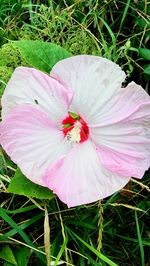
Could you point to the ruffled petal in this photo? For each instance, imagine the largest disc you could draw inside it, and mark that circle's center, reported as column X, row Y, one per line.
column 28, row 85
column 32, row 141
column 79, row 178
column 93, row 80
column 123, row 132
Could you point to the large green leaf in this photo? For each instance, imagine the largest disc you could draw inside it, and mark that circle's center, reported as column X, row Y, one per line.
column 41, row 55
column 23, row 186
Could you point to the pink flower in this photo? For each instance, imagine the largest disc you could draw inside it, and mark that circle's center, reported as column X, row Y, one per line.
column 77, row 131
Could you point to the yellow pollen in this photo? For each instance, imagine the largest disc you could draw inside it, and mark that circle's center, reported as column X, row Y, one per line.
column 74, row 134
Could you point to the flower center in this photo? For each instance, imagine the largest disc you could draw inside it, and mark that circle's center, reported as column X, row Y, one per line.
column 75, row 128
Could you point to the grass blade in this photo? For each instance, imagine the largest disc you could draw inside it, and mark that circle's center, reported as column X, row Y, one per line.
column 98, row 254
column 61, row 252
column 140, row 240
column 47, row 236
column 22, row 227
column 19, row 231
column 125, row 13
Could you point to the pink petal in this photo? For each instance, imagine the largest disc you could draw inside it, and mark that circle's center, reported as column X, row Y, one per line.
column 28, row 85
column 122, row 132
column 93, row 80
column 32, row 141
column 79, row 178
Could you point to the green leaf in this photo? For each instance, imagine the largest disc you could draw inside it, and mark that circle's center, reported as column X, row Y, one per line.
column 2, row 165
column 8, row 264
column 147, row 69
column 22, row 256
column 41, row 55
column 144, row 53
column 7, row 255
column 23, row 186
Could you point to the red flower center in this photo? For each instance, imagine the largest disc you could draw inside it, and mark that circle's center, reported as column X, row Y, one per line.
column 75, row 128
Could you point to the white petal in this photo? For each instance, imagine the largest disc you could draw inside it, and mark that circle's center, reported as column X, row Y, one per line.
column 32, row 141
column 80, row 178
column 123, row 132
column 28, row 85
column 93, row 80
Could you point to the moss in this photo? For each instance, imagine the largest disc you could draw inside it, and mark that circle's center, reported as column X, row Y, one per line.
column 10, row 56
column 5, row 74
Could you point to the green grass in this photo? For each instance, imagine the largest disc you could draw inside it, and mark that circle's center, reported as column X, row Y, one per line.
column 113, row 29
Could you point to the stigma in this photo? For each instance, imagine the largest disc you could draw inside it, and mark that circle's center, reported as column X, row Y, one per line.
column 75, row 129
column 74, row 134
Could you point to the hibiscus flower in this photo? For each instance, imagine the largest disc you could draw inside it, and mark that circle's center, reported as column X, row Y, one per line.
column 77, row 131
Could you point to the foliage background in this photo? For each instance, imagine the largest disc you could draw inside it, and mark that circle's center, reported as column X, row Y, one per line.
column 120, row 31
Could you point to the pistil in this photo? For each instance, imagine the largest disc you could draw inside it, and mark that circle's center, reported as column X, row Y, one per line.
column 75, row 128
